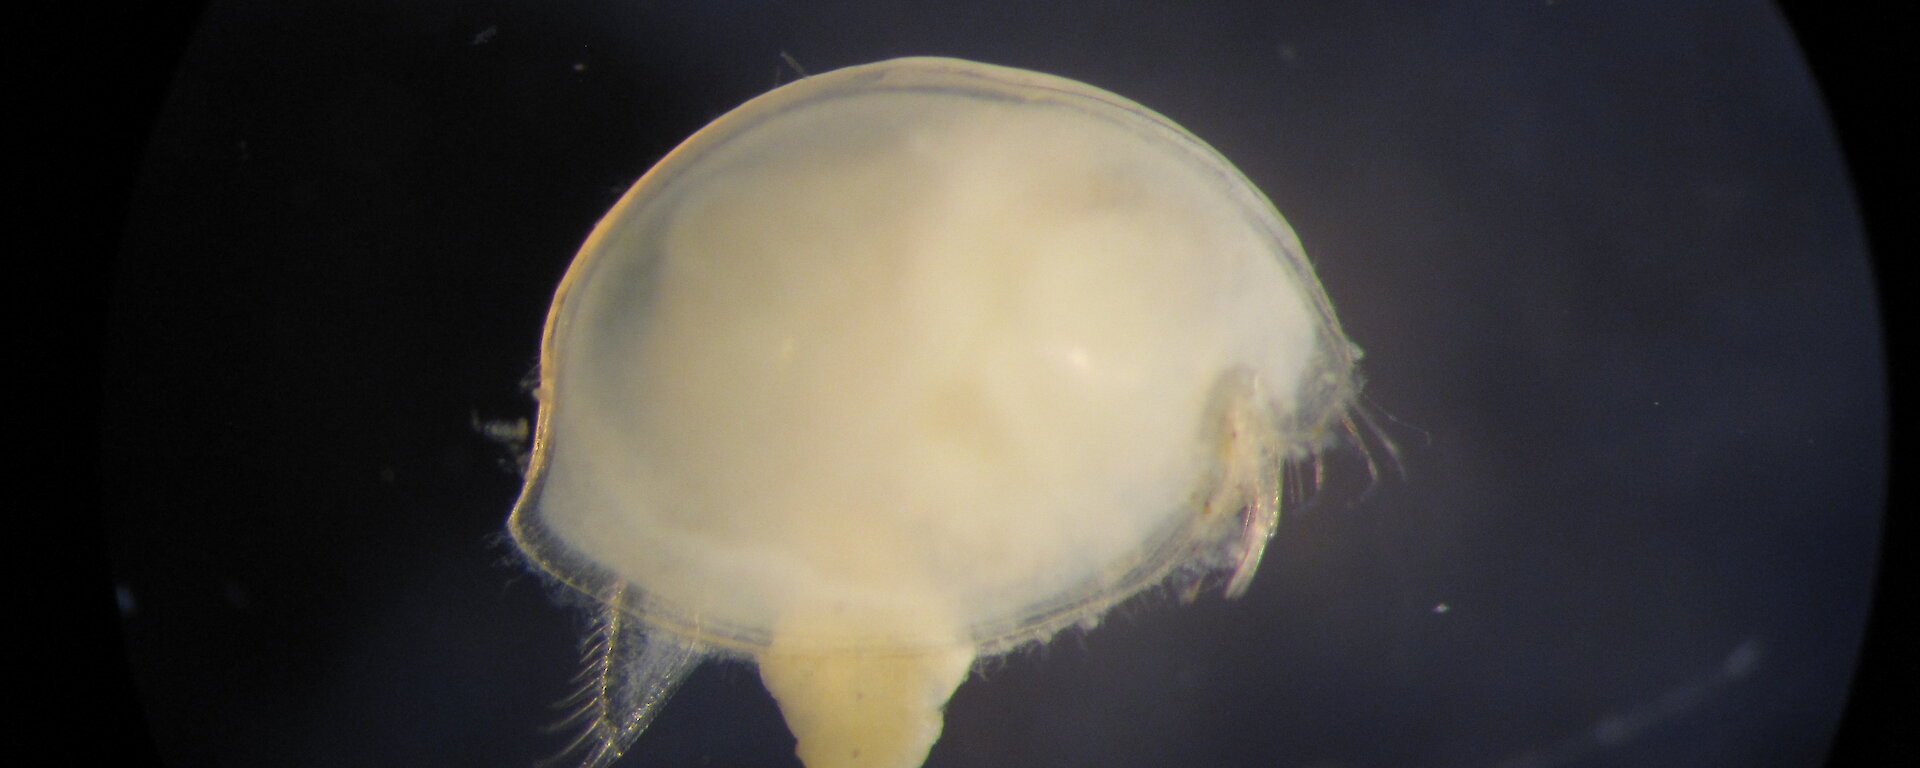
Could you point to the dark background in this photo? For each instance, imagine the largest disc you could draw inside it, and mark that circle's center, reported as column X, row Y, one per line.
column 1604, row 259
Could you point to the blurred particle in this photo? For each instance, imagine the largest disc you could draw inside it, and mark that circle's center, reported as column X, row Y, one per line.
column 123, row 598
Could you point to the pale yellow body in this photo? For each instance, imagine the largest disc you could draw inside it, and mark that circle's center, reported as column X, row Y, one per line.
column 864, row 709
column 913, row 362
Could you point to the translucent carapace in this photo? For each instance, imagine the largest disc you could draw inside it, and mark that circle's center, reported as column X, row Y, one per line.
column 907, row 364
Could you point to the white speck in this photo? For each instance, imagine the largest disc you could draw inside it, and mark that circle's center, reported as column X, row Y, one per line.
column 1441, row 608
column 235, row 595
column 505, row 431
column 1613, row 729
column 123, row 597
column 1742, row 659
column 486, row 34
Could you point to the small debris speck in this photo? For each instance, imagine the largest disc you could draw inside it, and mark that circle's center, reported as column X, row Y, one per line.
column 1742, row 659
column 235, row 595
column 123, row 597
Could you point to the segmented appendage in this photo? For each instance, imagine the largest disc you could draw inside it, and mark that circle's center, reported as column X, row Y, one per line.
column 1250, row 483
column 627, row 675
column 1242, row 505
